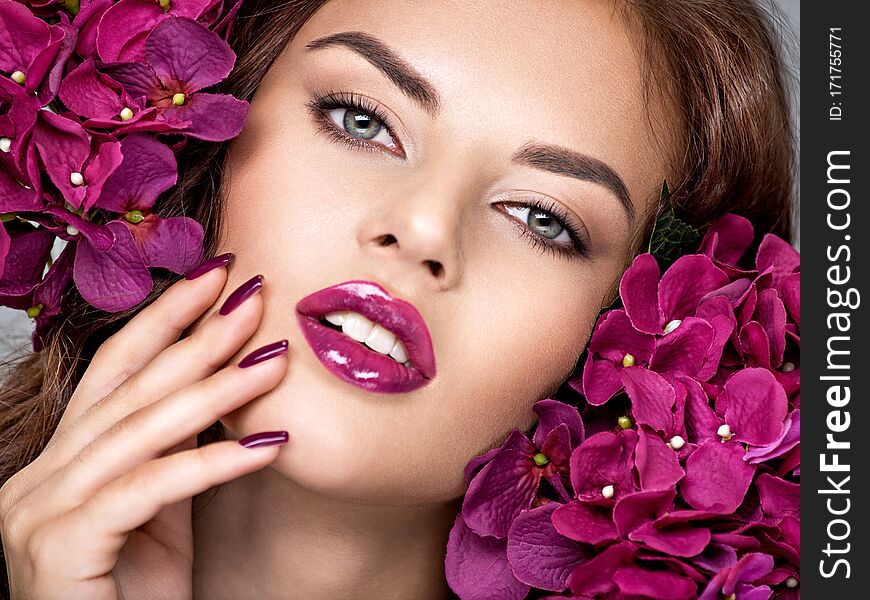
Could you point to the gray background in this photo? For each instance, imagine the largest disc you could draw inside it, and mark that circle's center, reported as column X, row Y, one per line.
column 15, row 327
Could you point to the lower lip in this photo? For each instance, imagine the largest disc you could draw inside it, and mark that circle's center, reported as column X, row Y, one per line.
column 356, row 364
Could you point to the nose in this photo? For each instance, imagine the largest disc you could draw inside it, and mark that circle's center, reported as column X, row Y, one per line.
column 416, row 235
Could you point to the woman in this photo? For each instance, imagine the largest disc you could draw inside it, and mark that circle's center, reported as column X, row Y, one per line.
column 485, row 170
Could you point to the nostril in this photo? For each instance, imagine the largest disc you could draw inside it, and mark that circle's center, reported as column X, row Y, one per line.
column 387, row 240
column 436, row 267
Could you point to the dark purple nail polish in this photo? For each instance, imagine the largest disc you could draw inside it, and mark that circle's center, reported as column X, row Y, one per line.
column 265, row 353
column 265, row 438
column 204, row 267
column 242, row 293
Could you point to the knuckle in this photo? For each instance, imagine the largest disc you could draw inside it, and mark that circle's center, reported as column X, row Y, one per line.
column 16, row 524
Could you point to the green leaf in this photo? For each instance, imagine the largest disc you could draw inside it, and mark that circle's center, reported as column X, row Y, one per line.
column 671, row 238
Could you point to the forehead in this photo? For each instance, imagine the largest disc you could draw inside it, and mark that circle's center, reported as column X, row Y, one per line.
column 566, row 72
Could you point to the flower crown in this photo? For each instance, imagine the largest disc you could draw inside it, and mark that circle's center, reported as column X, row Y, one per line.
column 677, row 476
column 96, row 99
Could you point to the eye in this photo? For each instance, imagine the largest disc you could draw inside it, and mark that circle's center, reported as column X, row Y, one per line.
column 354, row 120
column 549, row 228
column 541, row 222
column 361, row 125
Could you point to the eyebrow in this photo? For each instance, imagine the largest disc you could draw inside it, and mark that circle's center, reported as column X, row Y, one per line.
column 546, row 157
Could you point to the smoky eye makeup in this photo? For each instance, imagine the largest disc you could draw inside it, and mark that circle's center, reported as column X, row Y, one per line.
column 359, row 122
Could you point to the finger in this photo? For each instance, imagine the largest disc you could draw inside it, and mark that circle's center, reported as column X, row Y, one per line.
column 182, row 364
column 99, row 527
column 156, row 428
column 152, row 330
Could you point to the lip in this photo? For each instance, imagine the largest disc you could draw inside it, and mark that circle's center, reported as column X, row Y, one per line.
column 352, row 361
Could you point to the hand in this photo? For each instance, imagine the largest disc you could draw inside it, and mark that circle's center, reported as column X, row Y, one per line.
column 105, row 511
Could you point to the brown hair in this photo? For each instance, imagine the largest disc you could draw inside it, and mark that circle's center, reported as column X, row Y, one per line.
column 717, row 63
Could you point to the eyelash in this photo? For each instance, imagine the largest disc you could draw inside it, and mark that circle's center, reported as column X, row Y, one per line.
column 319, row 108
column 578, row 248
column 323, row 103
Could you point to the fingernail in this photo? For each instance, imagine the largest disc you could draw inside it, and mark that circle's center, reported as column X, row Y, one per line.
column 242, row 293
column 204, row 267
column 265, row 353
column 265, row 438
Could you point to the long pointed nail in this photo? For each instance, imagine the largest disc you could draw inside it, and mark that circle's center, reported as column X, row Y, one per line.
column 223, row 260
column 265, row 353
column 242, row 293
column 265, row 438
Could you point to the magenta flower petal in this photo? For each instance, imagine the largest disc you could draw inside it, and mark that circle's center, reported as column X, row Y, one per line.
column 212, row 117
column 728, row 239
column 638, row 289
column 585, row 522
column 657, row 465
column 595, row 576
column 652, row 398
column 98, row 236
column 477, row 463
column 717, row 478
column 148, row 169
column 104, row 159
column 600, row 380
column 757, row 406
column 777, row 254
column 750, row 568
column 551, row 414
column 683, row 351
column 64, row 147
column 790, row 438
column 499, row 492
column 181, row 51
column 754, row 345
column 174, row 244
column 676, row 540
column 790, row 288
column 137, row 79
column 601, row 460
column 538, row 554
column 689, row 279
column 14, row 197
column 22, row 37
column 113, row 280
column 635, row 510
column 25, row 257
column 477, row 567
column 615, row 336
column 779, row 498
column 91, row 94
column 86, row 22
column 124, row 28
column 770, row 312
column 701, row 422
column 633, row 581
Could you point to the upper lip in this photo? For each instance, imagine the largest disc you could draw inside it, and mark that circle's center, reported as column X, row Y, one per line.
column 376, row 304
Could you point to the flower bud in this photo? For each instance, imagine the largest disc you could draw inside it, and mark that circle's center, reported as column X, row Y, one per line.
column 34, row 311
column 628, row 360
column 18, row 76
column 5, row 144
column 178, row 99
column 76, row 178
column 607, row 491
column 672, row 325
column 624, row 422
column 126, row 114
column 540, row 459
column 134, row 216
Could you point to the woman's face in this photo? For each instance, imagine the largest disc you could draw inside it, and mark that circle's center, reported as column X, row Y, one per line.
column 471, row 116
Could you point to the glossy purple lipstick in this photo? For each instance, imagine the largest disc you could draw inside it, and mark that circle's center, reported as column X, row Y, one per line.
column 353, row 361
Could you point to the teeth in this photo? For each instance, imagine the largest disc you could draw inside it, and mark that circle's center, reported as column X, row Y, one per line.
column 356, row 326
column 398, row 352
column 363, row 330
column 336, row 318
column 380, row 340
